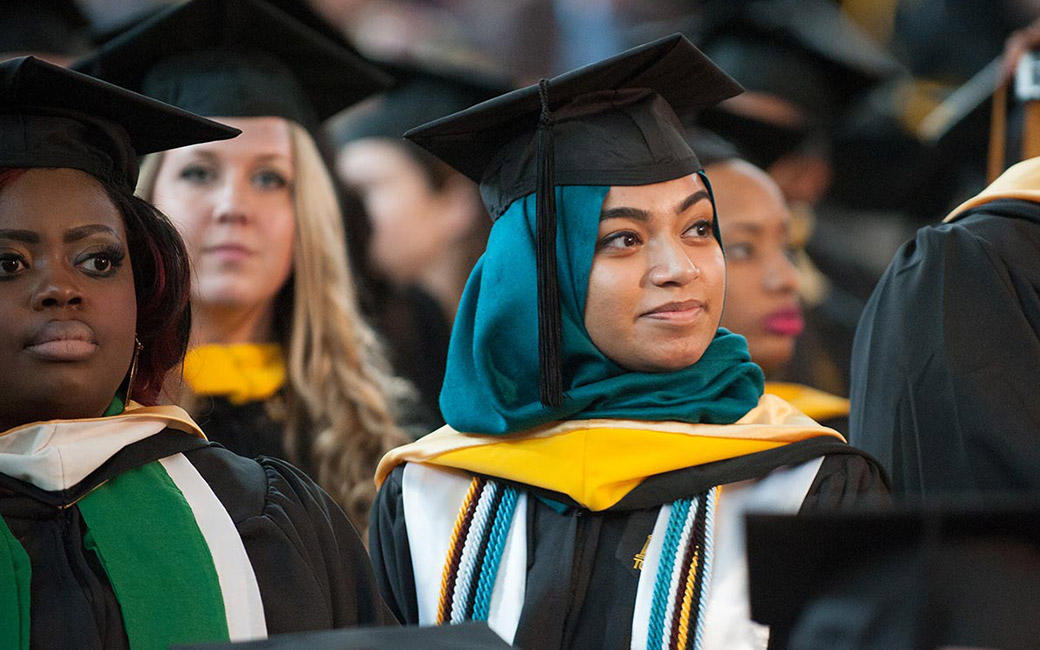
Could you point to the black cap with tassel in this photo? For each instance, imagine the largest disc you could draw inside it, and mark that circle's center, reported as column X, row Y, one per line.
column 615, row 122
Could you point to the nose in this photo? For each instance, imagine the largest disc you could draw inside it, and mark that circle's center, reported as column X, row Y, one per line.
column 231, row 203
column 670, row 264
column 58, row 288
column 781, row 275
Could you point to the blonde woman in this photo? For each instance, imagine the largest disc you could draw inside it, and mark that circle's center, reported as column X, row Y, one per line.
column 281, row 362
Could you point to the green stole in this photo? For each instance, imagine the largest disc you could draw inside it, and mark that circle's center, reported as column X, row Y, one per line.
column 144, row 533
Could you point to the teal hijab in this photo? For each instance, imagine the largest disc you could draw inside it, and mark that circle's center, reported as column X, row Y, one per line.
column 491, row 383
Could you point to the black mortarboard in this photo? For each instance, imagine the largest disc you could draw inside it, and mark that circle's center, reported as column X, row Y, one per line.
column 419, row 95
column 42, row 26
column 53, row 117
column 614, row 122
column 914, row 577
column 236, row 58
column 806, row 52
column 710, row 147
column 464, row 636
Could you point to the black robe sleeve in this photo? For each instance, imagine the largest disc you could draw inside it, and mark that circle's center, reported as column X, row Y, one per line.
column 844, row 481
column 311, row 566
column 946, row 361
column 391, row 555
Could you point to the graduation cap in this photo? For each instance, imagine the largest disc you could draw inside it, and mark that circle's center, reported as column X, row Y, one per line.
column 236, row 58
column 43, row 26
column 610, row 123
column 711, row 148
column 923, row 577
column 53, row 117
column 464, row 636
column 421, row 93
column 806, row 52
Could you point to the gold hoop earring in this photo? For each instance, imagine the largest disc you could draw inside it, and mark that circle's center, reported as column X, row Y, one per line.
column 133, row 367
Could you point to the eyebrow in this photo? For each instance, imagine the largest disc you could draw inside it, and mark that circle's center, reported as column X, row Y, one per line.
column 744, row 225
column 638, row 214
column 27, row 236
column 81, row 232
column 212, row 155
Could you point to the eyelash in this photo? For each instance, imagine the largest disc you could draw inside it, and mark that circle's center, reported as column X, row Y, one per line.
column 114, row 255
column 11, row 257
column 610, row 239
column 264, row 179
column 703, row 223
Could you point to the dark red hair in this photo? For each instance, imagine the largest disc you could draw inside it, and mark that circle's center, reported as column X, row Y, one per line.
column 162, row 284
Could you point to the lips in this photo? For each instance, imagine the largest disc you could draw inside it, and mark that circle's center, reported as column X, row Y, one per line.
column 681, row 312
column 785, row 322
column 228, row 251
column 64, row 340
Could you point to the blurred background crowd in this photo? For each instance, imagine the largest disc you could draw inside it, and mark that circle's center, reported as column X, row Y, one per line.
column 871, row 116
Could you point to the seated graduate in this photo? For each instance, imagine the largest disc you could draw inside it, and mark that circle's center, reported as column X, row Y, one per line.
column 946, row 361
column 604, row 434
column 428, row 224
column 281, row 362
column 120, row 526
column 762, row 281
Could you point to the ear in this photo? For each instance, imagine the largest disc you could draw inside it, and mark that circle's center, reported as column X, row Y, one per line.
column 457, row 203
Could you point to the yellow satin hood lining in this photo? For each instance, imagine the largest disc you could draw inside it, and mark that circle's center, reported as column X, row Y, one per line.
column 598, row 462
column 242, row 372
column 815, row 403
column 1020, row 181
column 174, row 417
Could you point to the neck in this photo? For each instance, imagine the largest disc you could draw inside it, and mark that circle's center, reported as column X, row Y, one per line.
column 444, row 280
column 228, row 325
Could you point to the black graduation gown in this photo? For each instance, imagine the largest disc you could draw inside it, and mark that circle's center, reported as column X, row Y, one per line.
column 946, row 362
column 252, row 429
column 310, row 566
column 581, row 582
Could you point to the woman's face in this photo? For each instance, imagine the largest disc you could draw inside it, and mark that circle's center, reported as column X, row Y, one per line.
column 658, row 276
column 411, row 222
column 232, row 201
column 762, row 291
column 67, row 300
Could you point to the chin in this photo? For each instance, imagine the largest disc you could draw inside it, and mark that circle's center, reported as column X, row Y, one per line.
column 772, row 356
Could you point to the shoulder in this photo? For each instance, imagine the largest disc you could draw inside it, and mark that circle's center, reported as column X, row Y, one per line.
column 257, row 487
column 848, row 478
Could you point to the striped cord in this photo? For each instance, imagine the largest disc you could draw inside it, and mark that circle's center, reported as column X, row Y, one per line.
column 470, row 551
column 458, row 532
column 475, row 551
column 683, row 572
column 704, row 570
column 496, row 544
column 663, row 579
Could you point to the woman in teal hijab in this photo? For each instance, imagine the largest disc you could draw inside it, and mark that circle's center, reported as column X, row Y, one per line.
column 595, row 410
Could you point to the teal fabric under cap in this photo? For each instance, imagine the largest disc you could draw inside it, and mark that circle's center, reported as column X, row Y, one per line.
column 491, row 384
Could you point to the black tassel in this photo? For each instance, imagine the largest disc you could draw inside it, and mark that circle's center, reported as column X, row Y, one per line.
column 550, row 325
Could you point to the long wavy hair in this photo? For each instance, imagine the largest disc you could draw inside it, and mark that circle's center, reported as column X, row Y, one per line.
column 339, row 388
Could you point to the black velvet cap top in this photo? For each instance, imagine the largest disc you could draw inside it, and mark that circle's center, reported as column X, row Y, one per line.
column 236, row 58
column 614, row 122
column 53, row 117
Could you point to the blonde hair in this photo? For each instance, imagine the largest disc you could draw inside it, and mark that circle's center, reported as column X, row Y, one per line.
column 339, row 385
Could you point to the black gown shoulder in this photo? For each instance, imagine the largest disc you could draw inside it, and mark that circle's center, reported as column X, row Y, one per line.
column 946, row 361
column 604, row 543
column 311, row 568
column 308, row 558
